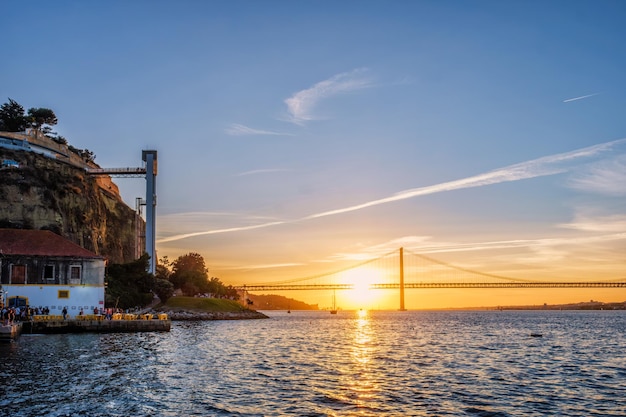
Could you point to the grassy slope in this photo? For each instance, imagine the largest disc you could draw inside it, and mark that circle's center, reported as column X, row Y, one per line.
column 201, row 304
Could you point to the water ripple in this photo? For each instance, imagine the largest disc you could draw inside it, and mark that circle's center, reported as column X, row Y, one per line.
column 314, row 364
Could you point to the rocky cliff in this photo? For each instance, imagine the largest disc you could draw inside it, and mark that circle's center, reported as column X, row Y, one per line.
column 43, row 193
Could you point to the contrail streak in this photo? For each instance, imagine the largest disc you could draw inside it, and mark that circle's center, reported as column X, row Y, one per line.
column 213, row 232
column 580, row 98
column 544, row 166
column 540, row 167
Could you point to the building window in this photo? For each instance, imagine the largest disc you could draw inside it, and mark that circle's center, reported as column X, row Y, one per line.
column 48, row 273
column 64, row 294
column 18, row 274
column 75, row 274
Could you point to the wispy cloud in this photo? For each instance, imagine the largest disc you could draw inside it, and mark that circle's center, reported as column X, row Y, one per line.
column 580, row 98
column 188, row 222
column 527, row 254
column 236, row 129
column 604, row 177
column 520, row 243
column 614, row 223
column 217, row 231
column 425, row 245
column 300, row 106
column 265, row 266
column 548, row 165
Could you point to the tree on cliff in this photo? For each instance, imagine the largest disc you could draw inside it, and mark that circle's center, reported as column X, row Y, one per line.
column 12, row 118
column 190, row 274
column 40, row 117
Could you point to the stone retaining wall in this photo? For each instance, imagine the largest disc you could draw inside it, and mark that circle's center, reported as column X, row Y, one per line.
column 96, row 326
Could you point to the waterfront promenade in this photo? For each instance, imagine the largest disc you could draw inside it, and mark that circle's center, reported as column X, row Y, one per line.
column 123, row 324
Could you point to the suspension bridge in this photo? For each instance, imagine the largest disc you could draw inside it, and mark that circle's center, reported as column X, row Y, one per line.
column 402, row 269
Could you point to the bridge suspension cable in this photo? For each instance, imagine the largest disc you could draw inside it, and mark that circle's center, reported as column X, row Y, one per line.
column 298, row 281
column 466, row 270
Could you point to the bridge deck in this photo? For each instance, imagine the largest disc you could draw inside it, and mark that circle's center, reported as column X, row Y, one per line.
column 426, row 285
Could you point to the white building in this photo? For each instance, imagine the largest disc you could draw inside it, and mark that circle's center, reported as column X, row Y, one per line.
column 41, row 269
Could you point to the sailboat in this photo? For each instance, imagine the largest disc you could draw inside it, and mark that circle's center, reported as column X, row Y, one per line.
column 334, row 309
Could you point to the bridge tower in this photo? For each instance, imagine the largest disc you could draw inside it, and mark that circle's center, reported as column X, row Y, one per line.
column 402, row 280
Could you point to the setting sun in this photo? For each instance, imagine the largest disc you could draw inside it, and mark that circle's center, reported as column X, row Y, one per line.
column 361, row 295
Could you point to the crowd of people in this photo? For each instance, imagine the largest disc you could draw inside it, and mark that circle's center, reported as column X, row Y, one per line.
column 10, row 315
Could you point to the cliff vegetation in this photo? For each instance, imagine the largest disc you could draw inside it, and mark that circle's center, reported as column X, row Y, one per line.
column 42, row 193
column 44, row 185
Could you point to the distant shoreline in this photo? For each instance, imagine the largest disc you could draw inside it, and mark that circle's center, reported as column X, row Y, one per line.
column 589, row 305
column 583, row 306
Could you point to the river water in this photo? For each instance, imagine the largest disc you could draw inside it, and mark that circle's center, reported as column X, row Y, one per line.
column 473, row 363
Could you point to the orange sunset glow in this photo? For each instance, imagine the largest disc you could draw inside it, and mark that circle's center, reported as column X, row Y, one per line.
column 488, row 136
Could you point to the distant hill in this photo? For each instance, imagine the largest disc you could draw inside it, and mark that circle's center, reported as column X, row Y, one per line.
column 583, row 305
column 38, row 191
column 278, row 302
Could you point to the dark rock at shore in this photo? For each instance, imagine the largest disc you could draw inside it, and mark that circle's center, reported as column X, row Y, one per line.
column 190, row 315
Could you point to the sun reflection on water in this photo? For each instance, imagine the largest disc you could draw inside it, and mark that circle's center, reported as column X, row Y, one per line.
column 361, row 350
column 363, row 379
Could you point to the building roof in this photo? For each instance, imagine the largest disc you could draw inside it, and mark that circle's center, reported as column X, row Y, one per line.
column 40, row 243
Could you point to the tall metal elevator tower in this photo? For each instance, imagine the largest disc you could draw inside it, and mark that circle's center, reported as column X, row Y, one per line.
column 150, row 172
column 150, row 158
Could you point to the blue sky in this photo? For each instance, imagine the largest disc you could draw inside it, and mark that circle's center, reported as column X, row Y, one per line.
column 297, row 137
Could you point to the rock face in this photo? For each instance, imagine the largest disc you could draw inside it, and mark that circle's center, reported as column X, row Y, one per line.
column 43, row 193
